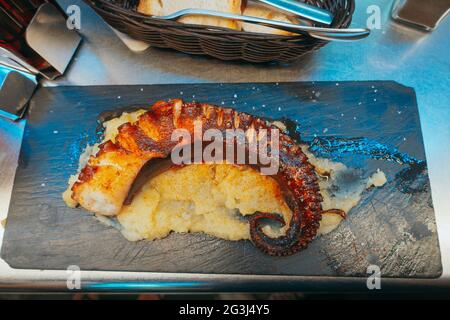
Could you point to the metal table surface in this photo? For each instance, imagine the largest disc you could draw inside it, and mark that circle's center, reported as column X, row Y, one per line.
column 394, row 52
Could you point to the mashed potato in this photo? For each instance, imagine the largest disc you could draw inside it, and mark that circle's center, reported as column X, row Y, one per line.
column 201, row 198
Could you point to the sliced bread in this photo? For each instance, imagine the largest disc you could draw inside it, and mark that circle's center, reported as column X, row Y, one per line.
column 165, row 7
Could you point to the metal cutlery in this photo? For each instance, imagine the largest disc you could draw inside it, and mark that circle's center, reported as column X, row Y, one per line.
column 329, row 34
column 303, row 10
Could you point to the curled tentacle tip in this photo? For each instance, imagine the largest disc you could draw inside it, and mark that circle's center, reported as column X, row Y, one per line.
column 259, row 217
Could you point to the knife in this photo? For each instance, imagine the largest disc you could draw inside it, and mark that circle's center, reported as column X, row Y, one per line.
column 303, row 10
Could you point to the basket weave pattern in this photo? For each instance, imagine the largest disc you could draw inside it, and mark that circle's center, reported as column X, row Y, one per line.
column 221, row 43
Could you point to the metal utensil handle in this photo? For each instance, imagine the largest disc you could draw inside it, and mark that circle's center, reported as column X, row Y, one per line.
column 316, row 32
column 303, row 10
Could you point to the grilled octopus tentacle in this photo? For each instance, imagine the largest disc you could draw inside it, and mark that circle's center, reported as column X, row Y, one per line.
column 104, row 184
column 301, row 192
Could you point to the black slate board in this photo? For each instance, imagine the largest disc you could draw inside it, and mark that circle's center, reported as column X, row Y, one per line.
column 392, row 227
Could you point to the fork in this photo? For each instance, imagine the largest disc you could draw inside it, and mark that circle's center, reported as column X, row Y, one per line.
column 329, row 34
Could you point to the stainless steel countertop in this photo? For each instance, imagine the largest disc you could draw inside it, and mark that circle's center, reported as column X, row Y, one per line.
column 413, row 58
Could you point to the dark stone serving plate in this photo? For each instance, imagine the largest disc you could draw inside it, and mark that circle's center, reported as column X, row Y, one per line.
column 392, row 227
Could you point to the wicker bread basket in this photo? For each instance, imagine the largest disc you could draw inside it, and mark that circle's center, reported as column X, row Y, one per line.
column 221, row 43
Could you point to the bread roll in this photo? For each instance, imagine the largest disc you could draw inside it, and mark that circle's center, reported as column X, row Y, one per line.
column 165, row 7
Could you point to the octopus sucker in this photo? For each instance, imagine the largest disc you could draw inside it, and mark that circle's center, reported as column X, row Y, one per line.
column 105, row 183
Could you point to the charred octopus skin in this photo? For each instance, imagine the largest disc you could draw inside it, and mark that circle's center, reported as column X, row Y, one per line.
column 105, row 182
